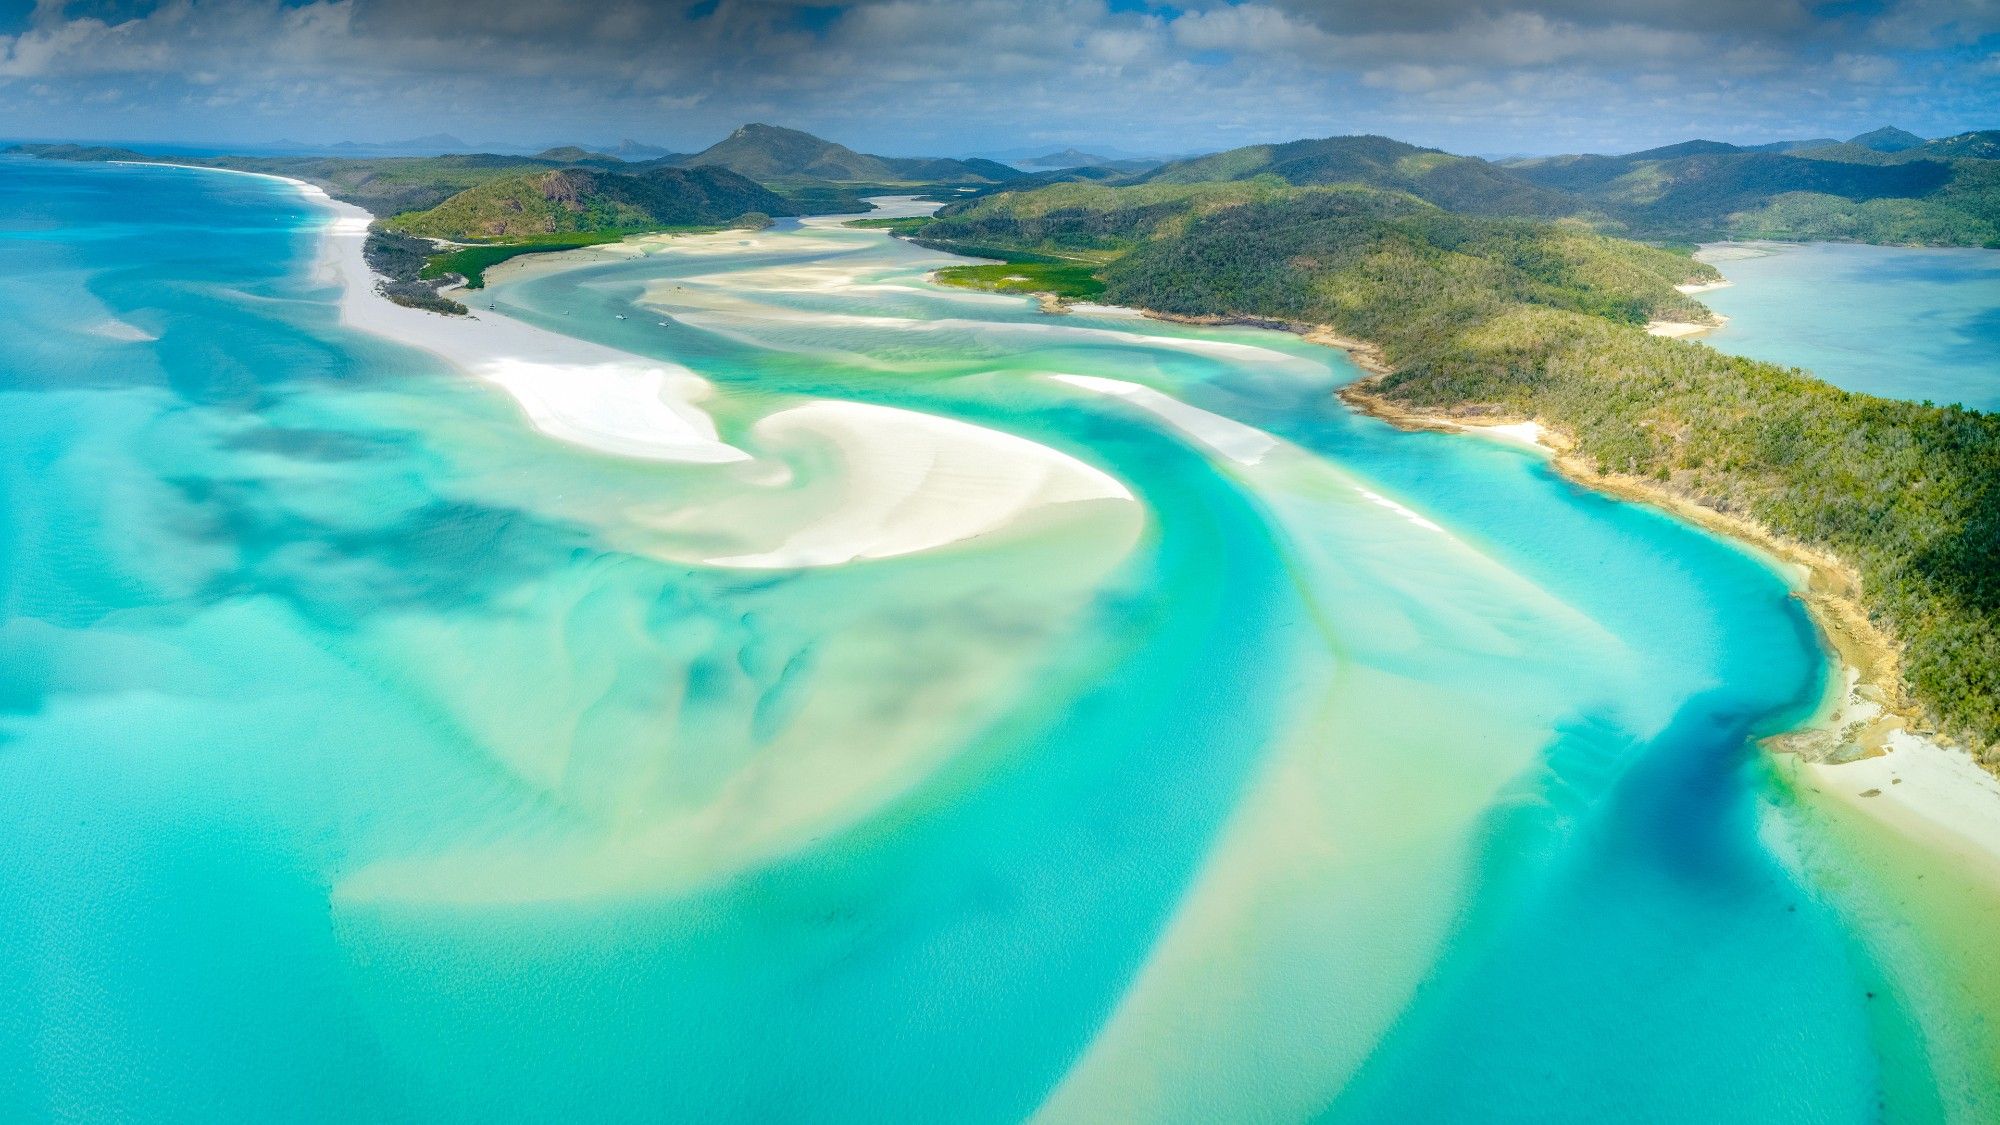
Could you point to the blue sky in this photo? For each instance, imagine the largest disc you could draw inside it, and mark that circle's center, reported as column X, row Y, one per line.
column 960, row 76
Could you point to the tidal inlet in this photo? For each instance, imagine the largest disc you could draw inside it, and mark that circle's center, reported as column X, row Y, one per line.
column 752, row 630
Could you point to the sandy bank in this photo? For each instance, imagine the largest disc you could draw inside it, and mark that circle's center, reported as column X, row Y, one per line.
column 111, row 328
column 1682, row 329
column 892, row 482
column 1703, row 287
column 1242, row 444
column 1924, row 792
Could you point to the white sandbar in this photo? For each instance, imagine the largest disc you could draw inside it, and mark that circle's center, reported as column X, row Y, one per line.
column 912, row 482
column 1242, row 444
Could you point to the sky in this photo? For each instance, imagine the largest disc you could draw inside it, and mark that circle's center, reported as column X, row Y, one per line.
column 959, row 77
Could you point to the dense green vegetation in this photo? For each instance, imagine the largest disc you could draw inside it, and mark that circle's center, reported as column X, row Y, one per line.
column 392, row 185
column 403, row 262
column 1087, row 216
column 1979, row 145
column 1806, row 217
column 1886, row 187
column 1457, row 183
column 1540, row 319
column 388, row 185
column 1287, row 240
column 773, row 155
column 472, row 262
column 89, row 154
column 1072, row 278
column 1907, row 493
column 579, row 200
column 894, row 226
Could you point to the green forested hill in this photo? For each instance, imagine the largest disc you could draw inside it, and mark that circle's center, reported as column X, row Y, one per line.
column 1091, row 216
column 1457, row 183
column 767, row 152
column 770, row 154
column 383, row 185
column 1888, row 139
column 1886, row 186
column 89, row 154
column 574, row 200
column 1933, row 193
column 387, row 185
column 816, row 176
column 1539, row 319
column 1890, row 189
column 1279, row 245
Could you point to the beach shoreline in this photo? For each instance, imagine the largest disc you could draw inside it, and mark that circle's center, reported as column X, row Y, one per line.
column 569, row 389
column 1685, row 329
column 1864, row 744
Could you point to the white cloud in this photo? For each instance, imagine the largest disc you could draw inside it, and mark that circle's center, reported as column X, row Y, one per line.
column 950, row 75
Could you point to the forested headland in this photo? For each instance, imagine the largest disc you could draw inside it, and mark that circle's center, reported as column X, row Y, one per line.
column 1536, row 319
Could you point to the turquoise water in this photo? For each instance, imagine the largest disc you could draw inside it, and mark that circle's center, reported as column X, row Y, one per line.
column 370, row 758
column 1922, row 325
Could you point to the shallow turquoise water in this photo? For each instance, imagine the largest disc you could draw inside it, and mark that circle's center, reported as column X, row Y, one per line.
column 1903, row 323
column 365, row 763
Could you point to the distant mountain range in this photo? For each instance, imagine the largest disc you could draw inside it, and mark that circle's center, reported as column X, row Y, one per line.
column 1886, row 185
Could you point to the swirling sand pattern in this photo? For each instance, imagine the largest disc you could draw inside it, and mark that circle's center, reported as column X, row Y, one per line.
column 375, row 755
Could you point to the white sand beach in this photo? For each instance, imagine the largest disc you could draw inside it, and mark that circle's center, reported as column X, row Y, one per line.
column 570, row 389
column 1924, row 791
column 1518, row 433
column 1679, row 329
column 1907, row 781
column 1704, row 287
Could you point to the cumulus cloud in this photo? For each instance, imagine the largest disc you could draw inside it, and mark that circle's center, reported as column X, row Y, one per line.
column 955, row 75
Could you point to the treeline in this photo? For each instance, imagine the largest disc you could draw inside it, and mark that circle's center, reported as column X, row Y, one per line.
column 584, row 201
column 401, row 260
column 1907, row 493
column 1541, row 319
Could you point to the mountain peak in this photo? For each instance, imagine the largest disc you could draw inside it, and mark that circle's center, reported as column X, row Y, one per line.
column 1888, row 139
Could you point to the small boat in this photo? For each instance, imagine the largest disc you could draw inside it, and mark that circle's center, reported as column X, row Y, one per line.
column 621, row 316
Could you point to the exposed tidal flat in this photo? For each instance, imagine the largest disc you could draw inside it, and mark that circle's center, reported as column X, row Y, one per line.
column 384, row 743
